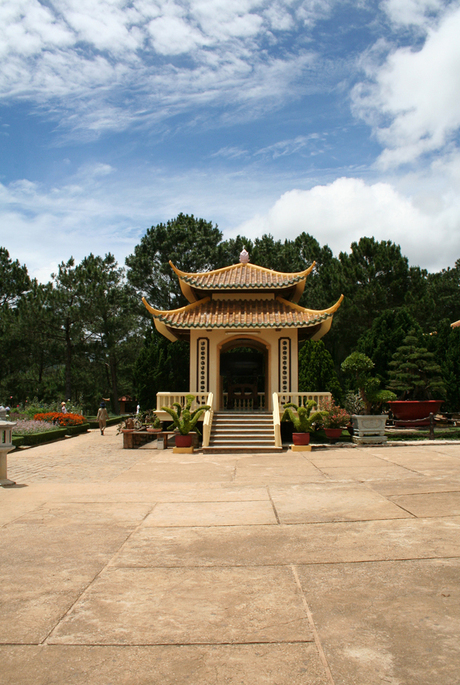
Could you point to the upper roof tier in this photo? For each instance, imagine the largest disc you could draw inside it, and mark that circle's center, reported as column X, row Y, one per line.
column 248, row 277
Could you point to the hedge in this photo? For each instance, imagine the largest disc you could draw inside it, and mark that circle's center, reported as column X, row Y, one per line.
column 75, row 430
column 39, row 438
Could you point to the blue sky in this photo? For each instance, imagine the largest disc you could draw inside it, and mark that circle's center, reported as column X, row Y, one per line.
column 336, row 118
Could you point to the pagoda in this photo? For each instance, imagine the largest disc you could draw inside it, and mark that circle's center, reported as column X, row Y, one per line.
column 251, row 312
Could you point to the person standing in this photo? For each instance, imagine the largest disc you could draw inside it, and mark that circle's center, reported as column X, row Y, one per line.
column 63, row 408
column 102, row 416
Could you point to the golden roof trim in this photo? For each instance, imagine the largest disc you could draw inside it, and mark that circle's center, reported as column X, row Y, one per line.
column 291, row 277
column 329, row 310
column 250, row 314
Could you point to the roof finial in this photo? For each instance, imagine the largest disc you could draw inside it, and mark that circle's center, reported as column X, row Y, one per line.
column 244, row 256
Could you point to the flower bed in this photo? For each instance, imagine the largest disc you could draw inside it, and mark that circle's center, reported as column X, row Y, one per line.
column 61, row 419
column 29, row 427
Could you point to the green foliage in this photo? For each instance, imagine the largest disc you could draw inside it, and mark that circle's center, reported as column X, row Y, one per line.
column 161, row 366
column 302, row 418
column 14, row 280
column 183, row 418
column 414, row 374
column 375, row 277
column 336, row 416
column 385, row 335
column 190, row 243
column 359, row 367
column 316, row 370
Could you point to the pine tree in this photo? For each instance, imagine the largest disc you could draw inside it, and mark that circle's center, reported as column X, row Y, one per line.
column 415, row 375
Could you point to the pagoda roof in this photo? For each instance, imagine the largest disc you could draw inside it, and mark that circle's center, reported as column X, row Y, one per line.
column 210, row 313
column 242, row 276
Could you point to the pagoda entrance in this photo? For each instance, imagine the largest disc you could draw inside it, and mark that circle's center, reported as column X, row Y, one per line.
column 244, row 376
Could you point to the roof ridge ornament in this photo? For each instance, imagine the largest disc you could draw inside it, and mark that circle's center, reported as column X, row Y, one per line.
column 244, row 256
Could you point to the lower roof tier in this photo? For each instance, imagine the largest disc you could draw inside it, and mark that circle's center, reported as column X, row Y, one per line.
column 240, row 313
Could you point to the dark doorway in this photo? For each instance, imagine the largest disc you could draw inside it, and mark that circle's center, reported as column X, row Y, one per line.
column 243, row 376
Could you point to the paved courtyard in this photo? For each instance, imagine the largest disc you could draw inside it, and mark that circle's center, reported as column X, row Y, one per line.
column 143, row 567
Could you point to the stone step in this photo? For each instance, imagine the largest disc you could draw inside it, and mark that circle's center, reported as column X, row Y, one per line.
column 234, row 449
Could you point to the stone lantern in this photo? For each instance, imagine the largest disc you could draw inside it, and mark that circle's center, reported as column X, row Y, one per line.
column 6, row 445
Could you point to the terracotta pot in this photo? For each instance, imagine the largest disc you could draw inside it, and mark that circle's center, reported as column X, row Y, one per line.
column 412, row 410
column 184, row 440
column 301, row 438
column 333, row 433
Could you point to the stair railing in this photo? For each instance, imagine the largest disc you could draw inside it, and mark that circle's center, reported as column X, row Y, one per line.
column 207, row 421
column 276, row 419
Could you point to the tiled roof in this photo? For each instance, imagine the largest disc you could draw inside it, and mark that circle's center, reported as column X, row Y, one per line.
column 247, row 276
column 208, row 313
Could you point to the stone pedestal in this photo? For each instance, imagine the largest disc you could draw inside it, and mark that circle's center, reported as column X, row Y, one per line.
column 6, row 445
column 369, row 429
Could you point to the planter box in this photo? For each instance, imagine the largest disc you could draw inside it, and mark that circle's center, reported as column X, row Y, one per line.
column 409, row 413
column 369, row 429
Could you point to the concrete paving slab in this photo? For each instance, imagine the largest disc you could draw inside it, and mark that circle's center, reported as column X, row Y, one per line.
column 76, row 513
column 418, row 484
column 81, row 562
column 280, row 664
column 209, row 492
column 200, row 473
column 430, row 504
column 277, row 468
column 393, row 622
column 45, row 568
column 315, row 502
column 176, row 606
column 292, row 544
column 211, row 514
column 366, row 473
column 428, row 464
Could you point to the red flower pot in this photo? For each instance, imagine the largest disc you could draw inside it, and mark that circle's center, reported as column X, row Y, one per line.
column 406, row 411
column 184, row 440
column 301, row 438
column 333, row 433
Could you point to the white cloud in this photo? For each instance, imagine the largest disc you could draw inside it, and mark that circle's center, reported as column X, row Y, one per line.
column 413, row 12
column 83, row 56
column 419, row 92
column 348, row 209
column 103, row 209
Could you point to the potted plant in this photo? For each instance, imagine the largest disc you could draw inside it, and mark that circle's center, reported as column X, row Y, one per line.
column 336, row 420
column 416, row 377
column 303, row 420
column 153, row 424
column 368, row 427
column 185, row 420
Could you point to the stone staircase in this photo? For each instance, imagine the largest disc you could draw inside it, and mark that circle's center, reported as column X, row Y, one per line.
column 242, row 432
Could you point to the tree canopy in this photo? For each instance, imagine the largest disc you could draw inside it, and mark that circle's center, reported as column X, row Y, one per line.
column 86, row 335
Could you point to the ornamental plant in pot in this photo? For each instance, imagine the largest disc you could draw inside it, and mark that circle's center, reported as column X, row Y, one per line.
column 336, row 420
column 185, row 420
column 303, row 420
column 416, row 378
column 368, row 426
